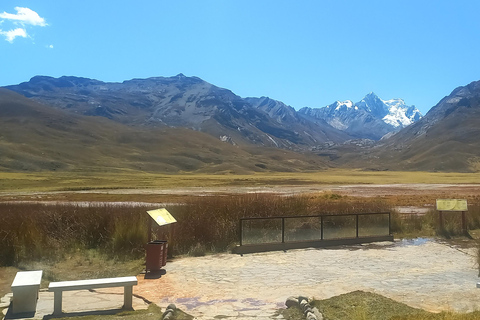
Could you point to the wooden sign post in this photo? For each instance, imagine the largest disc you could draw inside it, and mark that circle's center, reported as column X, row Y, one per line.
column 455, row 205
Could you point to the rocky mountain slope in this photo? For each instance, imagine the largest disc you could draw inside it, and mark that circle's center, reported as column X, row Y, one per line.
column 371, row 118
column 446, row 139
column 187, row 102
column 35, row 137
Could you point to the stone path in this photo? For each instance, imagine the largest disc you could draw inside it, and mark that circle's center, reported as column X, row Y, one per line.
column 422, row 274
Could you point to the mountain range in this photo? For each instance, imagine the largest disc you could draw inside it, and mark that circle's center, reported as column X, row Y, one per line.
column 371, row 118
column 190, row 102
column 36, row 137
column 180, row 123
column 445, row 139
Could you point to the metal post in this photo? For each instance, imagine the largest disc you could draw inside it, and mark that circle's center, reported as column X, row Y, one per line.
column 356, row 221
column 321, row 227
column 241, row 231
column 389, row 224
column 440, row 216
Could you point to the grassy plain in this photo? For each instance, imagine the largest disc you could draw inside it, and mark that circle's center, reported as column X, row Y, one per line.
column 123, row 179
column 359, row 305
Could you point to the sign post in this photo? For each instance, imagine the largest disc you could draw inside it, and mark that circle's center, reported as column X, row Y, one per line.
column 455, row 205
column 157, row 250
column 162, row 217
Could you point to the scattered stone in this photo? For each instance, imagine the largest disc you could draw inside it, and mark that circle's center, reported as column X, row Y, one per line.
column 311, row 316
column 291, row 302
column 302, row 302
column 168, row 314
column 307, row 309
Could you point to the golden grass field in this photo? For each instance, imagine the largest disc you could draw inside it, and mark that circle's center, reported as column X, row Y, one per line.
column 76, row 181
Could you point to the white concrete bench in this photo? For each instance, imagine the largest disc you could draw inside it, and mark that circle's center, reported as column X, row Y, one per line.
column 59, row 287
column 25, row 289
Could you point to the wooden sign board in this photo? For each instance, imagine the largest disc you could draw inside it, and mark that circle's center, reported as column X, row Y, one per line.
column 161, row 216
column 452, row 205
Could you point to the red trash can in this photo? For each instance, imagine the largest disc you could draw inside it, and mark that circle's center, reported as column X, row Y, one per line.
column 156, row 255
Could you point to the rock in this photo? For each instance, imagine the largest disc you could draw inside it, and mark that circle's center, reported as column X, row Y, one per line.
column 291, row 302
column 168, row 314
column 311, row 316
column 307, row 309
column 303, row 303
column 317, row 314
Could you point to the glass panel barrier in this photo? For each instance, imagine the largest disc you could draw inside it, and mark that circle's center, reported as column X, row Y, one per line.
column 337, row 227
column 303, row 229
column 258, row 231
column 373, row 225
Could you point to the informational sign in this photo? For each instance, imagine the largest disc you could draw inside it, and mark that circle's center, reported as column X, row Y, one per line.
column 161, row 216
column 451, row 205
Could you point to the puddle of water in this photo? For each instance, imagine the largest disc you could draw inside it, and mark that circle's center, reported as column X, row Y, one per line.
column 412, row 210
column 413, row 242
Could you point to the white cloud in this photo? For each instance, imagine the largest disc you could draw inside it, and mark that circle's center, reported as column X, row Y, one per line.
column 24, row 16
column 12, row 34
column 19, row 22
column 50, row 46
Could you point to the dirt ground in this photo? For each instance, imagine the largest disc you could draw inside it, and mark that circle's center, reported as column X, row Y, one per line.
column 155, row 195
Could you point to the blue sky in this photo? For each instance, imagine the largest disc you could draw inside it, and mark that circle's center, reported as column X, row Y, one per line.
column 304, row 53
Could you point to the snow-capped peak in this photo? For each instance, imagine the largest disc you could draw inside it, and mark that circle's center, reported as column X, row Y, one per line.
column 340, row 104
column 371, row 117
column 399, row 114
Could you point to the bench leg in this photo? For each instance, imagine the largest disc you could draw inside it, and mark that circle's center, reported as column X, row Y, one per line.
column 128, row 297
column 57, row 303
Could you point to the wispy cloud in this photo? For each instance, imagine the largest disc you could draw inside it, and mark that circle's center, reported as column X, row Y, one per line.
column 12, row 34
column 24, row 18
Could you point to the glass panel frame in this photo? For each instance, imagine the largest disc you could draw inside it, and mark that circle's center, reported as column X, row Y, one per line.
column 339, row 227
column 303, row 229
column 260, row 231
column 371, row 225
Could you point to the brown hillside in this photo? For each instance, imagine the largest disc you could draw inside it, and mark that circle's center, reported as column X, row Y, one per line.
column 446, row 139
column 36, row 137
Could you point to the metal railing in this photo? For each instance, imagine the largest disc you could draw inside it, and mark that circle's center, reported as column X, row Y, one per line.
column 293, row 229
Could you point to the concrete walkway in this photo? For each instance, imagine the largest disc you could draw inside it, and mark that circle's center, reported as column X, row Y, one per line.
column 422, row 274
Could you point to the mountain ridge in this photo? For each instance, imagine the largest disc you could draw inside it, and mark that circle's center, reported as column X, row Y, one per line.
column 371, row 117
column 38, row 137
column 181, row 101
column 240, row 135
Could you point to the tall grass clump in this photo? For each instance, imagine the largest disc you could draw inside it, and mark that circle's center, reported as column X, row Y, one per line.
column 429, row 224
column 204, row 224
column 35, row 231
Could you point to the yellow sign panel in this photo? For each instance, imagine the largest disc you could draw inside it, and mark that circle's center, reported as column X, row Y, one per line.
column 451, row 205
column 161, row 216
